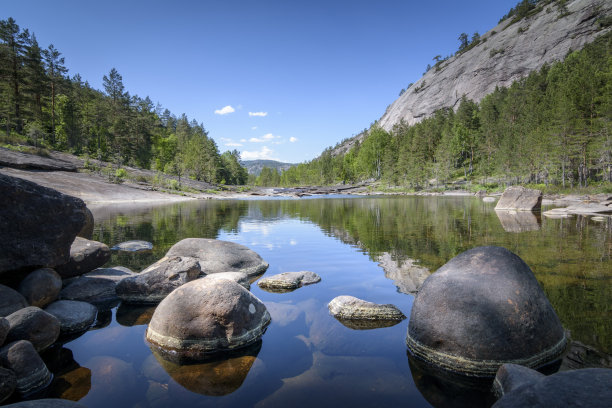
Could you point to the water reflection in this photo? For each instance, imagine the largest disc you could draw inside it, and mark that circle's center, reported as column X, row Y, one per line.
column 519, row 221
column 134, row 314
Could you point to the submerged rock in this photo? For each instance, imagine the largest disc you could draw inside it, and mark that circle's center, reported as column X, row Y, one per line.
column 85, row 256
column 219, row 256
column 130, row 314
column 205, row 316
column 239, row 277
column 288, row 281
column 480, row 310
column 41, row 287
column 519, row 198
column 589, row 387
column 11, row 301
column 360, row 314
column 42, row 223
column 133, row 246
column 35, row 325
column 31, row 373
column 74, row 316
column 154, row 283
column 114, row 381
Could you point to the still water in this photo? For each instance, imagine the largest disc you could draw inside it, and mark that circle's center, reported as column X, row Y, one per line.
column 307, row 358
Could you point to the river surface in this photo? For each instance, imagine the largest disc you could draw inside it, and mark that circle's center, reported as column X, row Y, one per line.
column 306, row 358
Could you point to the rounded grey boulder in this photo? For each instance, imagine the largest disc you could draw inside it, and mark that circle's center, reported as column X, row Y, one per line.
column 205, row 316
column 220, row 256
column 85, row 256
column 11, row 301
column 154, row 283
column 288, row 281
column 480, row 310
column 589, row 387
column 31, row 373
column 35, row 325
column 350, row 310
column 41, row 287
column 74, row 316
column 8, row 383
column 241, row 278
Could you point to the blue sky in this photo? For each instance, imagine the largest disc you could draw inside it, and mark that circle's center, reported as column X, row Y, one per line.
column 294, row 77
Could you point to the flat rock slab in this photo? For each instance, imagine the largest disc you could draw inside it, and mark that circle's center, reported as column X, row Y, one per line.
column 96, row 290
column 240, row 278
column 133, row 246
column 519, row 198
column 73, row 316
column 19, row 160
column 580, row 209
column 11, row 301
column 288, row 281
column 41, row 287
column 85, row 256
column 31, row 373
column 35, row 325
column 350, row 308
column 589, row 387
column 206, row 316
column 220, row 256
column 39, row 223
column 154, row 283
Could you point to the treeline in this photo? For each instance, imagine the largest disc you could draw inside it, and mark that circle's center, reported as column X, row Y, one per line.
column 42, row 106
column 553, row 126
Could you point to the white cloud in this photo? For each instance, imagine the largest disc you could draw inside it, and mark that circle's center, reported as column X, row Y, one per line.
column 265, row 138
column 254, row 128
column 264, row 153
column 233, row 144
column 243, row 140
column 293, row 139
column 225, row 110
column 262, row 114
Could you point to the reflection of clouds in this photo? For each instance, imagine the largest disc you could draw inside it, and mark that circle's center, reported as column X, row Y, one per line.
column 285, row 313
column 260, row 228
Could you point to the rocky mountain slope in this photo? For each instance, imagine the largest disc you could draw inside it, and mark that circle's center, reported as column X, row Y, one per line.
column 506, row 53
column 255, row 166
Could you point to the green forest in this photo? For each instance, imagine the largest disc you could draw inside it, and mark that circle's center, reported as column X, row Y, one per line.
column 553, row 128
column 42, row 106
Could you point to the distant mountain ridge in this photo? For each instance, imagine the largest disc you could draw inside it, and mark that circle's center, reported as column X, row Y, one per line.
column 255, row 166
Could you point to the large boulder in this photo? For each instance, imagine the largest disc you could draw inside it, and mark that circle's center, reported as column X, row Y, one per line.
column 35, row 325
column 220, row 256
column 41, row 287
column 39, row 223
column 154, row 283
column 288, row 281
column 10, row 301
column 241, row 278
column 519, row 198
column 4, row 329
column 73, row 316
column 360, row 314
column 31, row 373
column 480, row 310
column 85, row 256
column 589, row 387
column 205, row 316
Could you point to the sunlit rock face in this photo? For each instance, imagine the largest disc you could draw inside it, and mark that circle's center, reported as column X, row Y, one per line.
column 288, row 281
column 359, row 314
column 480, row 310
column 518, row 198
column 206, row 316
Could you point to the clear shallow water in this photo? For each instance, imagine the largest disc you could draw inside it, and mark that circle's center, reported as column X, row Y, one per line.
column 306, row 357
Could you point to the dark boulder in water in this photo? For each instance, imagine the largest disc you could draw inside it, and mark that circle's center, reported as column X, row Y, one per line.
column 31, row 373
column 480, row 310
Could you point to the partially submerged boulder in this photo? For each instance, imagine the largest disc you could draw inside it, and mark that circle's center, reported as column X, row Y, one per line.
column 85, row 256
column 41, row 287
column 10, row 301
column 205, row 316
column 41, row 224
column 133, row 246
column 154, row 283
column 73, row 316
column 288, row 281
column 35, row 325
column 480, row 310
column 519, row 198
column 359, row 314
column 31, row 373
column 589, row 387
column 219, row 256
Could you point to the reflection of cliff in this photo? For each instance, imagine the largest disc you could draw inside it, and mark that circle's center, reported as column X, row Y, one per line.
column 519, row 221
column 406, row 275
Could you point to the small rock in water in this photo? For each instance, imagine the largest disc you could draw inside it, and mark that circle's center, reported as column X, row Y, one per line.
column 133, row 246
column 11, row 301
column 31, row 373
column 74, row 316
column 35, row 325
column 360, row 315
column 85, row 256
column 205, row 316
column 240, row 278
column 288, row 281
column 589, row 387
column 41, row 287
column 154, row 283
